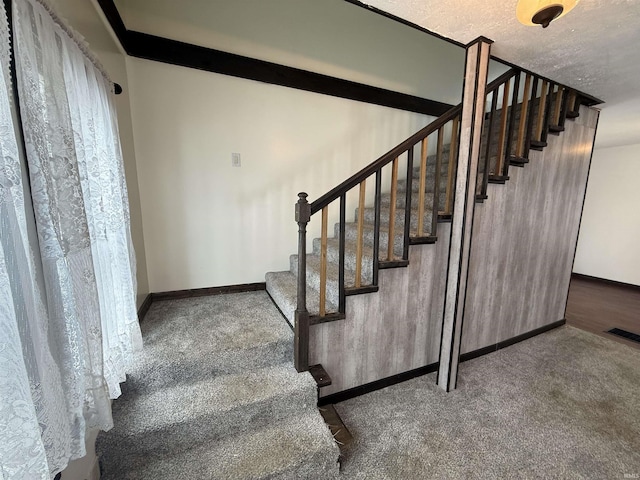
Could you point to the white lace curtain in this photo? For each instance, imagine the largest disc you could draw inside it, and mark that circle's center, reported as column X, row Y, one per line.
column 64, row 350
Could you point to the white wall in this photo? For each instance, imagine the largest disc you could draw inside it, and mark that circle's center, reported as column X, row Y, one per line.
column 610, row 229
column 207, row 223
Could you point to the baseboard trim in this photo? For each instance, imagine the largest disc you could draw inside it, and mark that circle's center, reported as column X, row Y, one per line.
column 376, row 385
column 203, row 292
column 511, row 341
column 615, row 283
column 144, row 308
column 433, row 367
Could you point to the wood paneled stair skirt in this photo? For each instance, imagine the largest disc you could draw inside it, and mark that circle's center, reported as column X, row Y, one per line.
column 393, row 210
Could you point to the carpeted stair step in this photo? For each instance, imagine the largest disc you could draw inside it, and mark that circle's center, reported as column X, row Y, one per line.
column 175, row 419
column 313, row 275
column 297, row 447
column 283, row 288
column 179, row 336
column 415, row 185
column 351, row 235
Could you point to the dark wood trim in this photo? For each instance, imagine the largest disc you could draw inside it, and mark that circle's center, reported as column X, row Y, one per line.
column 605, row 281
column 320, row 375
column 151, row 47
column 433, row 367
column 348, row 291
column 202, row 292
column 115, row 20
column 511, row 341
column 384, row 264
column 329, row 317
column 144, row 308
column 405, row 22
column 427, row 240
column 376, row 385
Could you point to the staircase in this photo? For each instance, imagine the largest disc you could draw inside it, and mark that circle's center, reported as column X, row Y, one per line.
column 214, row 395
column 521, row 111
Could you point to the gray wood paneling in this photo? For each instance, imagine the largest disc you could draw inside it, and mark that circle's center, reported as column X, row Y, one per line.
column 392, row 331
column 524, row 239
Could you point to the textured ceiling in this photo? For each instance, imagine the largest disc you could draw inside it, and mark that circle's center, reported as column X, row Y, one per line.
column 595, row 48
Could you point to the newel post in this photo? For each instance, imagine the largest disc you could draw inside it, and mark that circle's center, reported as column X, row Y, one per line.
column 301, row 340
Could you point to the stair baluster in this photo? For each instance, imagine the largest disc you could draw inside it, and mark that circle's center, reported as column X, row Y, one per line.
column 392, row 209
column 547, row 114
column 503, row 129
column 361, row 198
column 487, row 154
column 512, row 120
column 323, row 263
column 541, row 109
column 530, row 118
column 524, row 113
column 435, row 210
column 407, row 205
column 422, row 188
column 453, row 159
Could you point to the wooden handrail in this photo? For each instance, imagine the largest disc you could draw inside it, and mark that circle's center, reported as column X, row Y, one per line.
column 497, row 83
column 388, row 157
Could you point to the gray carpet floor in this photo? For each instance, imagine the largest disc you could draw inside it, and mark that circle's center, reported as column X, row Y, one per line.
column 565, row 404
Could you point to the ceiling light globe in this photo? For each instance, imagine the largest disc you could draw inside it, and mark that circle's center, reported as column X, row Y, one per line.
column 542, row 12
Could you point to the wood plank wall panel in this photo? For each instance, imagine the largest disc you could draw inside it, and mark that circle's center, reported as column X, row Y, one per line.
column 389, row 332
column 524, row 239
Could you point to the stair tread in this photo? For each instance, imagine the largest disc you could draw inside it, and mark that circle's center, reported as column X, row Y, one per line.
column 283, row 288
column 297, row 447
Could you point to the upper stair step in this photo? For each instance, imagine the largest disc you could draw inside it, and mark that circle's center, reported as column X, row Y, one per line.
column 283, row 288
column 179, row 336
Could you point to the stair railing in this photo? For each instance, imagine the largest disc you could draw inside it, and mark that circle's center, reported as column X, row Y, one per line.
column 446, row 125
column 522, row 109
column 529, row 107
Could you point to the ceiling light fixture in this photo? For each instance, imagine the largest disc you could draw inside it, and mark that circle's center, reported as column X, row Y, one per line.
column 542, row 12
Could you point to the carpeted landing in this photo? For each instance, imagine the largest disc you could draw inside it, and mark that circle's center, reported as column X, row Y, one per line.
column 565, row 404
column 214, row 395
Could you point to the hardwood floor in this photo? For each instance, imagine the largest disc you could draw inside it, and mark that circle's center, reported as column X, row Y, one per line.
column 597, row 306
